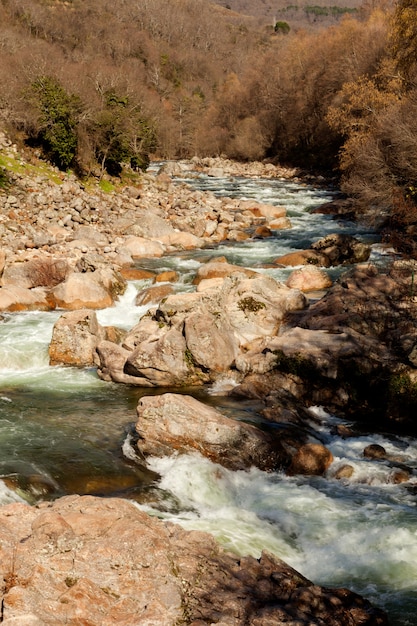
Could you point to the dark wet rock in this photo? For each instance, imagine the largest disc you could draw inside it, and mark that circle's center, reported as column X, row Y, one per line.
column 312, row 459
column 342, row 249
column 344, row 471
column 375, row 451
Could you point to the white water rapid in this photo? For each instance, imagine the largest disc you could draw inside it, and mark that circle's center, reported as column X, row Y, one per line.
column 67, row 429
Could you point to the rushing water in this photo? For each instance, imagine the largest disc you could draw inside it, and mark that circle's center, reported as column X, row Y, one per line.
column 62, row 430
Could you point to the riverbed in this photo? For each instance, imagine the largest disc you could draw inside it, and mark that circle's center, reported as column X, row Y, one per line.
column 65, row 431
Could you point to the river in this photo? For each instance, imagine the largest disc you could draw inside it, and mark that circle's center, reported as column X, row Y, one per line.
column 62, row 430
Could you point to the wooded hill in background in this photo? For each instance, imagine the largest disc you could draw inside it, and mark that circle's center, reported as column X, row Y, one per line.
column 97, row 85
column 297, row 14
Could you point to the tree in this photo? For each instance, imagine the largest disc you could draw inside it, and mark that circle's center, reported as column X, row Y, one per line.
column 58, row 115
column 121, row 134
column 404, row 39
column 282, row 27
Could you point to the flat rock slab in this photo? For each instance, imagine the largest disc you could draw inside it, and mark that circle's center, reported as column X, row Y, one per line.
column 87, row 560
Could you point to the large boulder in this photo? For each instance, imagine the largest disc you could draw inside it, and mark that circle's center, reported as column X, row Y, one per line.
column 74, row 339
column 342, row 249
column 181, row 241
column 332, row 250
column 44, row 271
column 139, row 247
column 174, row 423
column 112, row 359
column 219, row 268
column 153, row 294
column 15, row 298
column 163, row 363
column 259, row 209
column 211, row 347
column 96, row 561
column 309, row 278
column 89, row 290
column 192, row 338
column 303, row 257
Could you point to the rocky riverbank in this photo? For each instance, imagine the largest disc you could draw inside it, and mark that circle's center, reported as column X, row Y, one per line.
column 72, row 246
column 85, row 560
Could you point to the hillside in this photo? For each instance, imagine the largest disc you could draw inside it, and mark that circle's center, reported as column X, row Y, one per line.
column 299, row 14
column 98, row 87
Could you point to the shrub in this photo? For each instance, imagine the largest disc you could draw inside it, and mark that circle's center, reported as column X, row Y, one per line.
column 282, row 27
column 121, row 134
column 58, row 114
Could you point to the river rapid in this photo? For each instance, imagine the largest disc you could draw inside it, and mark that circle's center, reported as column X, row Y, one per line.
column 62, row 430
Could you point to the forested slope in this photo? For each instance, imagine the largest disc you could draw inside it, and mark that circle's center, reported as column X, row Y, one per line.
column 95, row 84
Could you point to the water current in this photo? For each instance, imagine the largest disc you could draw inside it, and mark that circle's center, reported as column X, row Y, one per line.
column 62, row 430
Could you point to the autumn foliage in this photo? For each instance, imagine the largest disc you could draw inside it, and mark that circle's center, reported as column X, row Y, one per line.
column 98, row 86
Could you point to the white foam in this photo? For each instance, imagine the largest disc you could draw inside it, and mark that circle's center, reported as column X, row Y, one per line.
column 7, row 496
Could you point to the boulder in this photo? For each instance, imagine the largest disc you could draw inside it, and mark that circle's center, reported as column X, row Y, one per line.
column 163, row 363
column 342, row 249
column 211, row 344
column 220, row 268
column 303, row 257
column 324, row 353
column 149, row 226
column 279, row 223
column 43, row 271
column 111, row 362
column 332, row 250
column 169, row 276
column 344, row 471
column 89, row 290
column 182, row 240
column 262, row 232
column 139, row 247
column 268, row 211
column 75, row 337
column 147, row 330
column 153, row 294
column 195, row 336
column 309, row 278
column 102, row 561
column 312, row 459
column 15, row 298
column 256, row 306
column 135, row 273
column 174, row 423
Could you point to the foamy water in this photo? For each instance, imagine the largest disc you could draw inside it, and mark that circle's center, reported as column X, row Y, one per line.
column 68, row 427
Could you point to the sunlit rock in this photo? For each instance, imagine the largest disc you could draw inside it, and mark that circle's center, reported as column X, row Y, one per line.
column 153, row 294
column 139, row 247
column 15, row 298
column 75, row 336
column 102, row 561
column 174, row 423
column 303, row 257
column 219, row 268
column 309, row 278
column 90, row 290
